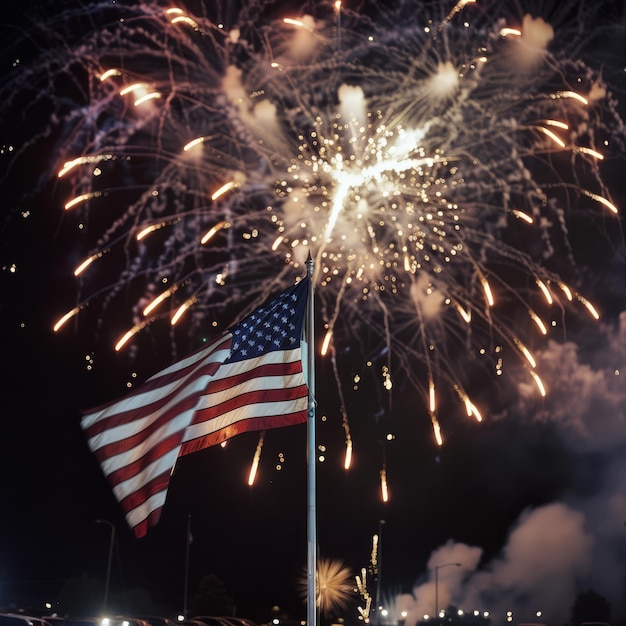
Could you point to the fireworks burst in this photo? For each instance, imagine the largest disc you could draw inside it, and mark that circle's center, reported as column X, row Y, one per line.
column 334, row 584
column 428, row 155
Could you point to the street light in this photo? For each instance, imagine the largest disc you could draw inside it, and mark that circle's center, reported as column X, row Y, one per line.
column 437, row 568
column 109, row 561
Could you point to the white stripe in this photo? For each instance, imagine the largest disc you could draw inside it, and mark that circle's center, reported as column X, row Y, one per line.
column 135, row 483
column 249, row 411
column 141, row 513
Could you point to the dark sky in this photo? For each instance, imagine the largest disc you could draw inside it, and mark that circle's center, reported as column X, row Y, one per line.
column 532, row 499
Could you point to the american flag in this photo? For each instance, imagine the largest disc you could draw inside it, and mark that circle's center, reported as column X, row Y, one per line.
column 249, row 378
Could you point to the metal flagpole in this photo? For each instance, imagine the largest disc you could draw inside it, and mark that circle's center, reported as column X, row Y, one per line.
column 311, row 453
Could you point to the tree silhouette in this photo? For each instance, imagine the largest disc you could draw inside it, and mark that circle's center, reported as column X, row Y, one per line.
column 211, row 598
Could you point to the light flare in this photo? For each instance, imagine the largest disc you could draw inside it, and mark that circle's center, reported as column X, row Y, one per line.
column 466, row 315
column 223, row 225
column 254, row 467
column 153, row 95
column 432, row 404
column 159, row 299
column 487, row 290
column 539, row 383
column 510, row 32
column 602, row 200
column 436, row 430
column 326, row 343
column 592, row 309
column 128, row 335
column 298, row 23
column 557, row 140
column 523, row 216
column 182, row 309
column 144, row 232
column 198, row 141
column 546, row 292
column 566, row 290
column 87, row 262
column 65, row 318
column 70, row 165
column 347, row 462
column 539, row 322
column 109, row 73
column 81, row 199
column 384, row 489
column 570, row 94
column 526, row 352
column 225, row 188
column 595, row 154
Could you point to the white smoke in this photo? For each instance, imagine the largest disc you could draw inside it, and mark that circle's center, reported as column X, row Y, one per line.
column 536, row 35
column 578, row 543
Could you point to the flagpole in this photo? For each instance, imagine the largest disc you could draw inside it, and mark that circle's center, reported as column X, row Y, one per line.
column 311, row 454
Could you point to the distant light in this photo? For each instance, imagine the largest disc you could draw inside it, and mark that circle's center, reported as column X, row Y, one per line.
column 275, row 621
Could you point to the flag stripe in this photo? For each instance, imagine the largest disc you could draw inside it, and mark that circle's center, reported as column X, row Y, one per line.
column 150, row 509
column 249, row 425
column 272, row 364
column 125, row 467
column 278, row 404
column 158, row 481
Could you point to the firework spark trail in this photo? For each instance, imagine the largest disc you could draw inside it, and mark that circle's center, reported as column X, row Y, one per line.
column 428, row 156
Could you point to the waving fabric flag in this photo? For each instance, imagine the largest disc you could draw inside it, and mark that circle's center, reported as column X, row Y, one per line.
column 249, row 378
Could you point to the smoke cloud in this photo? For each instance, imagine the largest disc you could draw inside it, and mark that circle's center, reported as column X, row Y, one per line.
column 577, row 543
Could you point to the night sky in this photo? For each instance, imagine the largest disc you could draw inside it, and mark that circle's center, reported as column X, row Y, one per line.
column 531, row 502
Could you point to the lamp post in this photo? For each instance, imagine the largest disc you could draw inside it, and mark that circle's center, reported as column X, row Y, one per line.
column 109, row 562
column 437, row 568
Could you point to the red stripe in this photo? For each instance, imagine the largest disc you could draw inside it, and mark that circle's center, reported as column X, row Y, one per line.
column 243, row 426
